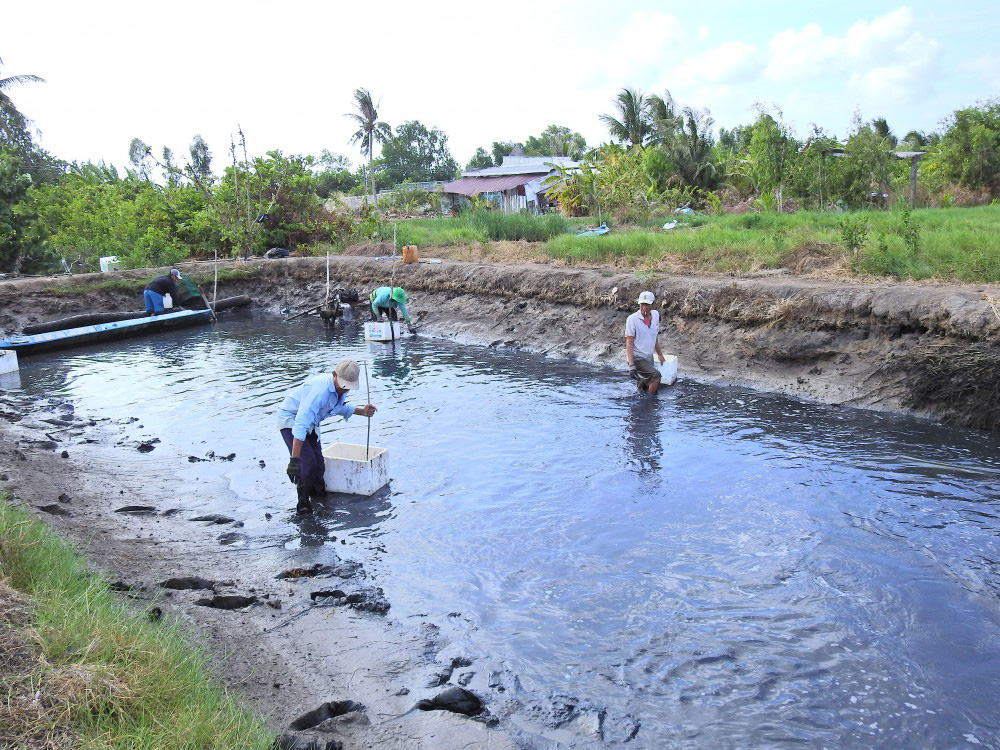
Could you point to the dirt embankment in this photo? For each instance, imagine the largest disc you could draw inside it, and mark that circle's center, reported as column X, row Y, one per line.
column 932, row 349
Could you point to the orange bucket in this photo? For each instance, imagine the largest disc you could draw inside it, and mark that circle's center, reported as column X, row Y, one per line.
column 410, row 254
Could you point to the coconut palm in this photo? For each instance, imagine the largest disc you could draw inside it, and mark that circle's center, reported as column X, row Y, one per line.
column 13, row 125
column 370, row 130
column 883, row 131
column 633, row 121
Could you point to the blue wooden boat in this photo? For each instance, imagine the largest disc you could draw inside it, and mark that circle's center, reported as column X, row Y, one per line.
column 41, row 342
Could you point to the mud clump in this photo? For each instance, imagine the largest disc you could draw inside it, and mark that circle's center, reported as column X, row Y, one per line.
column 214, row 518
column 188, row 583
column 455, row 699
column 227, row 602
column 137, row 510
column 367, row 600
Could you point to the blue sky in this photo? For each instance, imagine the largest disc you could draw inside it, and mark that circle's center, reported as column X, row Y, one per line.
column 480, row 72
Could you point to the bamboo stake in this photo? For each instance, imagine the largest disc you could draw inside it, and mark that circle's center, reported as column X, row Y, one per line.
column 368, row 439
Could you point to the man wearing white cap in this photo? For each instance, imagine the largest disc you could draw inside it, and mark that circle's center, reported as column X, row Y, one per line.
column 299, row 417
column 641, row 329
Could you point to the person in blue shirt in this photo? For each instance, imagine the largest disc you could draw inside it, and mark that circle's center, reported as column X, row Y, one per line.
column 299, row 417
column 389, row 301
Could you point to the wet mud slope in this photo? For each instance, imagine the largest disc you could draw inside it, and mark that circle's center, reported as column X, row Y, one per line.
column 313, row 647
column 928, row 349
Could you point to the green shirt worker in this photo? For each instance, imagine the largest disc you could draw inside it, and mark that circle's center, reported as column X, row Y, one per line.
column 641, row 329
column 389, row 301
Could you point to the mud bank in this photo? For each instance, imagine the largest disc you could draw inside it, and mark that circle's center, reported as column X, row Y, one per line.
column 315, row 648
column 929, row 349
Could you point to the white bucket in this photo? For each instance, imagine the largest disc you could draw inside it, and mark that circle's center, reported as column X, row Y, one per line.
column 382, row 331
column 8, row 362
column 668, row 369
column 349, row 470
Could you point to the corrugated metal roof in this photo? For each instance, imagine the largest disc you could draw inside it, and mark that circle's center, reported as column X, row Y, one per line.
column 476, row 185
column 523, row 165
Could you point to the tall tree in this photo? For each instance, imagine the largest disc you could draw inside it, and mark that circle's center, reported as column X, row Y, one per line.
column 416, row 153
column 201, row 158
column 480, row 160
column 881, row 128
column 556, row 140
column 13, row 124
column 370, row 130
column 633, row 122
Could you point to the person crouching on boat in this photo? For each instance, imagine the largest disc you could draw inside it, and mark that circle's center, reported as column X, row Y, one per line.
column 299, row 418
column 152, row 295
column 391, row 302
column 641, row 329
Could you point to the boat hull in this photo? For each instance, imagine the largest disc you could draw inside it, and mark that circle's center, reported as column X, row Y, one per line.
column 42, row 342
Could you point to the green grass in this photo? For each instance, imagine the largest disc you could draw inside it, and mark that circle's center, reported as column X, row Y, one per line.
column 121, row 681
column 481, row 226
column 956, row 244
column 959, row 244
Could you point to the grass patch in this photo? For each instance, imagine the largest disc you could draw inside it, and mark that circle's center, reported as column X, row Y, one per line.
column 955, row 244
column 958, row 244
column 114, row 678
column 480, row 225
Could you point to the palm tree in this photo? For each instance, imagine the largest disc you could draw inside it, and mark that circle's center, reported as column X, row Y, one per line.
column 13, row 125
column 883, row 131
column 370, row 130
column 634, row 124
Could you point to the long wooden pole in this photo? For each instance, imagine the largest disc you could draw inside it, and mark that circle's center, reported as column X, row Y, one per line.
column 368, row 389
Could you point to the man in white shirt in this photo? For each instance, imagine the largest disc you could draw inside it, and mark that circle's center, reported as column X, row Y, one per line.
column 641, row 329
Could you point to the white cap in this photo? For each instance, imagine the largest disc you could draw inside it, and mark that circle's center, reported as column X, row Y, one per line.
column 347, row 372
column 646, row 298
column 175, row 272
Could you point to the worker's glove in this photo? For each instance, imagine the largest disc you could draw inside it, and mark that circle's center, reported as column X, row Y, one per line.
column 411, row 328
column 633, row 372
column 293, row 470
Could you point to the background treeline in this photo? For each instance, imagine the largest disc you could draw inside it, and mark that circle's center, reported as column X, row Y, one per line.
column 161, row 208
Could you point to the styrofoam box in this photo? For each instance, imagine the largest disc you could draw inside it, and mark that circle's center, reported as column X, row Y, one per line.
column 668, row 370
column 110, row 263
column 382, row 331
column 348, row 470
column 8, row 362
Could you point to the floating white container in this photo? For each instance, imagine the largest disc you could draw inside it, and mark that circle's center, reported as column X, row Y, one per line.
column 110, row 263
column 349, row 470
column 8, row 362
column 382, row 331
column 668, row 370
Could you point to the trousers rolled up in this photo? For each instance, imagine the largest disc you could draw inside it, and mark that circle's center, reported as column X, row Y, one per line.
column 311, row 462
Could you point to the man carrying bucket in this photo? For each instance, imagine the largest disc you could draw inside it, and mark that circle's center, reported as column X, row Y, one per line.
column 641, row 329
column 387, row 301
column 153, row 294
column 299, row 417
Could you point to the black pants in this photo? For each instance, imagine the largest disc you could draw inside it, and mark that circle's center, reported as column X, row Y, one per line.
column 378, row 312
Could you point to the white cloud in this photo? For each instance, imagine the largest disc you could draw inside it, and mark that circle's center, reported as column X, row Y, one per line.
column 703, row 32
column 731, row 62
column 885, row 58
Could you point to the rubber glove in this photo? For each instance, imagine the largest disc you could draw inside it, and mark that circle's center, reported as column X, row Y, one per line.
column 293, row 470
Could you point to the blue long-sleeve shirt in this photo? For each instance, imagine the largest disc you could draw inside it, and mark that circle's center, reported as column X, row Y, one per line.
column 382, row 297
column 306, row 405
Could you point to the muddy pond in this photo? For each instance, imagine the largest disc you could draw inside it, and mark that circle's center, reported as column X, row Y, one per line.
column 721, row 567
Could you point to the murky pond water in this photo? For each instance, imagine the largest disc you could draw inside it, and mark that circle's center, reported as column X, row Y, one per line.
column 728, row 568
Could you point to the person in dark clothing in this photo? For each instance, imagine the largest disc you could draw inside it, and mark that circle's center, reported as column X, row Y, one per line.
column 152, row 295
